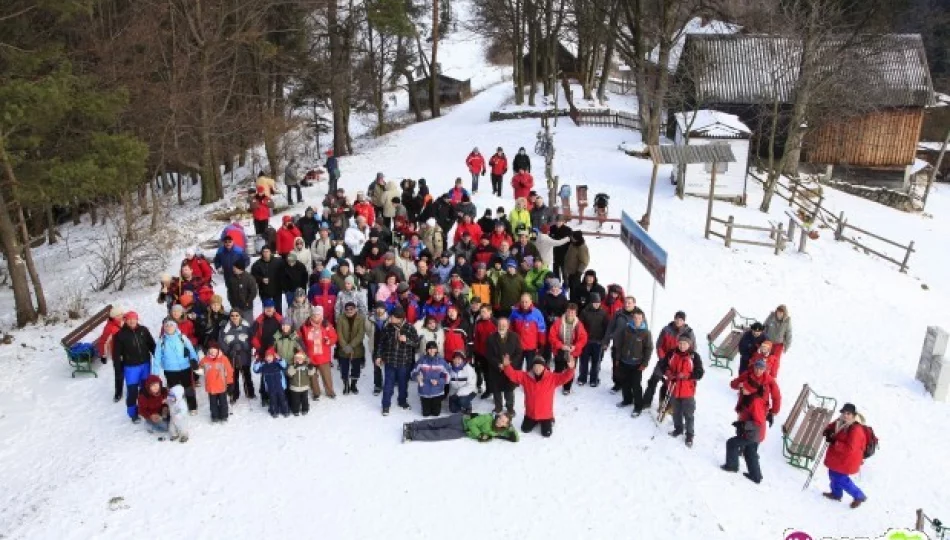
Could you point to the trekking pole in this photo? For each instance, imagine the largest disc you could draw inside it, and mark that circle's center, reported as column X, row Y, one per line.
column 821, row 454
column 661, row 413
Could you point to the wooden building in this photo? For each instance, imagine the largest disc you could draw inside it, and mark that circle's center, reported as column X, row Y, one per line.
column 567, row 63
column 706, row 127
column 873, row 140
column 451, row 91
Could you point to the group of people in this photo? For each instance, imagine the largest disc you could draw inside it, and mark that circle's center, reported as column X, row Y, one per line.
column 464, row 308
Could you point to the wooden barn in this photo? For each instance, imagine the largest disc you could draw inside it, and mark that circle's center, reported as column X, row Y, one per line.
column 873, row 142
column 567, row 62
column 451, row 91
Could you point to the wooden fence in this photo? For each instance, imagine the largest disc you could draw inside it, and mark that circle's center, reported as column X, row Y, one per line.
column 929, row 525
column 812, row 207
column 776, row 241
column 607, row 118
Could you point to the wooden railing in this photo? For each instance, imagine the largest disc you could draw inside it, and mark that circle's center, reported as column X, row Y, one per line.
column 843, row 225
column 929, row 525
column 776, row 241
column 607, row 118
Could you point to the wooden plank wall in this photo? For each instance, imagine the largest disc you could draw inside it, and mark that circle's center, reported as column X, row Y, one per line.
column 885, row 138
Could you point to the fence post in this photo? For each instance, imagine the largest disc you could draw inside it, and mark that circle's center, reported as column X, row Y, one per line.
column 729, row 231
column 919, row 525
column 791, row 227
column 791, row 198
column 780, row 238
column 840, row 229
column 821, row 199
column 910, row 249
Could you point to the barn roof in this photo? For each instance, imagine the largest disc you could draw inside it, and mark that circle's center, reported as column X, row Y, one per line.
column 684, row 155
column 712, row 124
column 887, row 70
column 696, row 25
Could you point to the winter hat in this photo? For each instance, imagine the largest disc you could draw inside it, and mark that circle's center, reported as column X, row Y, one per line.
column 458, row 354
column 430, row 222
column 432, row 345
column 374, row 233
column 760, row 364
column 389, row 256
column 480, row 265
column 271, row 352
column 186, row 299
column 325, row 274
column 190, row 252
column 510, row 263
column 131, row 316
column 287, row 219
column 286, row 322
column 438, row 289
column 300, row 293
column 402, row 287
column 339, row 249
column 165, row 277
column 349, row 281
column 398, row 312
column 849, row 408
column 594, row 298
column 267, row 303
column 530, row 260
column 240, row 265
column 291, row 257
column 177, row 308
column 212, row 345
column 680, row 315
column 757, row 327
column 555, row 283
column 590, row 272
column 116, row 312
column 217, row 299
column 499, row 149
column 539, row 360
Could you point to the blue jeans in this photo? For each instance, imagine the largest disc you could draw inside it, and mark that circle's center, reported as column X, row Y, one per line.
column 843, row 483
column 461, row 403
column 395, row 375
column 591, row 355
column 474, row 182
column 134, row 379
column 160, row 426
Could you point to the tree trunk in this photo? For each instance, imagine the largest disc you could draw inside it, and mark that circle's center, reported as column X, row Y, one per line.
column 31, row 266
column 13, row 250
column 435, row 72
column 517, row 36
column 51, row 233
column 531, row 14
column 608, row 52
column 550, row 49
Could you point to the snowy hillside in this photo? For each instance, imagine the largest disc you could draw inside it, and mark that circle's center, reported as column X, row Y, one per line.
column 72, row 466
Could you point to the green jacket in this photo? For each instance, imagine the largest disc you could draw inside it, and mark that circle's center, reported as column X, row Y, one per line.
column 484, row 424
column 509, row 290
column 535, row 280
column 299, row 376
column 351, row 332
column 287, row 346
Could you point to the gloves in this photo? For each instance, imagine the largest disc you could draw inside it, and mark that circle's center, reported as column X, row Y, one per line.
column 103, row 359
column 770, row 418
column 484, row 437
column 642, row 367
column 347, row 349
column 483, row 173
column 739, row 428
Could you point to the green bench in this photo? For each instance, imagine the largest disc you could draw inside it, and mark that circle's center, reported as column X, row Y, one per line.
column 82, row 361
column 802, row 440
column 723, row 350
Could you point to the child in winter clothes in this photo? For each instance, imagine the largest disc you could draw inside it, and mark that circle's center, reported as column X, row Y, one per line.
column 462, row 387
column 151, row 405
column 178, row 414
column 272, row 376
column 300, row 374
column 432, row 374
column 481, row 427
column 219, row 377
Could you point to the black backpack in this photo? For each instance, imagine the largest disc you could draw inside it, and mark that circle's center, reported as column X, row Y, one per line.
column 872, row 443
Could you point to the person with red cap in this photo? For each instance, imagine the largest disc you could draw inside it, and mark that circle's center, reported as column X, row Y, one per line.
column 750, row 431
column 274, row 383
column 286, row 235
column 132, row 348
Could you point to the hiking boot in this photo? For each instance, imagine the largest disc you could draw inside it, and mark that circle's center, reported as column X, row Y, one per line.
column 346, row 389
column 676, row 433
column 405, row 433
column 581, row 383
column 385, row 411
column 377, row 391
column 331, row 396
column 831, row 496
column 136, row 420
column 116, row 398
column 623, row 404
column 404, row 406
column 689, row 441
column 636, row 413
column 353, row 389
column 566, row 392
column 729, row 469
column 858, row 502
column 486, row 394
column 594, row 384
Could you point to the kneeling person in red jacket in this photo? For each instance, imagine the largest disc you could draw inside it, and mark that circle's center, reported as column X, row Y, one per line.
column 539, row 385
column 750, row 431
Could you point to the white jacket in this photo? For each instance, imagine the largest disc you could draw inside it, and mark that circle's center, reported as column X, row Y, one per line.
column 178, row 424
column 305, row 256
column 546, row 245
column 426, row 335
column 463, row 381
column 354, row 238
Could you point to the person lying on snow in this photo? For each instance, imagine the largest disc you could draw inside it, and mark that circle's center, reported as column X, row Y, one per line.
column 481, row 427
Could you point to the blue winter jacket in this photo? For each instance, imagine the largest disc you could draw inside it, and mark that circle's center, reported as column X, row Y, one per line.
column 225, row 259
column 174, row 352
column 272, row 373
column 332, row 166
column 432, row 368
column 444, row 272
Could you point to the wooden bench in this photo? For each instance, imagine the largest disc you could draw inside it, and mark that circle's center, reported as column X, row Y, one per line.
column 82, row 362
column 803, row 441
column 723, row 353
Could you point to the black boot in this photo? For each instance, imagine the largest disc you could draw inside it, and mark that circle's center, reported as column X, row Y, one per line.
column 353, row 389
column 346, row 388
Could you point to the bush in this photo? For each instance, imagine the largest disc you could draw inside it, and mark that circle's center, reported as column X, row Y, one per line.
column 127, row 253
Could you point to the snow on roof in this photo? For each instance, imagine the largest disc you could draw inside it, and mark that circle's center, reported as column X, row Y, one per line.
column 713, row 124
column 941, row 100
column 918, row 166
column 696, row 25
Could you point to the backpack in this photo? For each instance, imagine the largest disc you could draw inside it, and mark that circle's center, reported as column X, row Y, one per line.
column 872, row 443
column 600, row 200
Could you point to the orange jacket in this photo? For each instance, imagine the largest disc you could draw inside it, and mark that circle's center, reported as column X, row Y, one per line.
column 218, row 373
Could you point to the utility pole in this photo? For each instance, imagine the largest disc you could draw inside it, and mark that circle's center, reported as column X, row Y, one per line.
column 936, row 169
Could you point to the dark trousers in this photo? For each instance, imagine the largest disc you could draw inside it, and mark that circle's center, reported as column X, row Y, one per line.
column 474, row 182
column 480, row 365
column 350, row 368
column 377, row 376
column 547, row 426
column 446, row 428
column 558, row 267
column 260, row 227
column 184, row 378
column 119, row 378
column 524, row 363
column 387, row 221
column 332, row 182
column 219, row 406
column 501, row 387
column 277, row 402
column 396, row 376
column 496, row 184
column 245, row 373
column 749, row 450
column 461, row 403
column 560, row 364
column 744, row 364
column 431, row 406
column 684, row 409
column 290, row 194
column 590, row 362
column 630, row 378
column 651, row 389
column 299, row 401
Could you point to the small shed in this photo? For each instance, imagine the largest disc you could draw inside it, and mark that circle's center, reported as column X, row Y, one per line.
column 567, row 62
column 709, row 127
column 452, row 91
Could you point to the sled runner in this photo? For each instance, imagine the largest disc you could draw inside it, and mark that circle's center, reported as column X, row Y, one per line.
column 81, row 355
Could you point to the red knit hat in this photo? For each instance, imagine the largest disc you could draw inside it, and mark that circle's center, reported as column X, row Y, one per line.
column 131, row 316
column 271, row 352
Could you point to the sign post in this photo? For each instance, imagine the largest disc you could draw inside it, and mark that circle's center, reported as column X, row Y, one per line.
column 645, row 249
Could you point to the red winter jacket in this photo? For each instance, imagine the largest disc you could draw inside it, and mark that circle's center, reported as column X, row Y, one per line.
column 455, row 338
column 539, row 393
column 772, row 393
column 484, row 255
column 754, row 411
column 522, row 183
column 285, row 239
column 471, row 228
column 475, row 163
column 846, row 451
column 613, row 306
column 323, row 293
column 483, row 329
column 365, row 209
column 104, row 343
column 528, row 324
column 578, row 340
column 148, row 403
column 200, row 268
column 261, row 210
column 496, row 238
column 498, row 164
column 318, row 342
column 681, row 365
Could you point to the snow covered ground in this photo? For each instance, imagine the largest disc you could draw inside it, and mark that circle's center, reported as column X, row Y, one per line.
column 72, row 466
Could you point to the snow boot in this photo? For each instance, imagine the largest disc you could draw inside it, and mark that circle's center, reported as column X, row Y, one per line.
column 566, row 392
column 353, row 389
column 116, row 399
column 377, row 391
column 594, row 384
column 676, row 433
column 749, row 476
column 689, row 441
column 581, row 383
column 636, row 413
column 728, row 469
column 183, row 439
column 858, row 502
column 385, row 411
column 831, row 496
column 346, row 388
column 404, row 406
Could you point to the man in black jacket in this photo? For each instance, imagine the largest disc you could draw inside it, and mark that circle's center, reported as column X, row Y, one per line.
column 560, row 231
column 522, row 161
column 594, row 319
column 132, row 348
column 501, row 345
column 243, row 291
column 749, row 345
column 634, row 346
column 617, row 323
column 396, row 354
column 267, row 274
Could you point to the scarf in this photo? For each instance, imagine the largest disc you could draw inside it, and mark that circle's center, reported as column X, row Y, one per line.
column 567, row 330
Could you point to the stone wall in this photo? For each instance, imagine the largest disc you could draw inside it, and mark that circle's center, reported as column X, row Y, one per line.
column 888, row 197
column 933, row 369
